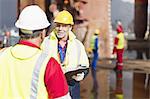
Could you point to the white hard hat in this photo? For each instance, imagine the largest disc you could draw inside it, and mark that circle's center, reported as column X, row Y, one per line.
column 119, row 23
column 32, row 18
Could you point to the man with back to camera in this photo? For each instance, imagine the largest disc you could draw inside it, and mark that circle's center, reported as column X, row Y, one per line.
column 26, row 72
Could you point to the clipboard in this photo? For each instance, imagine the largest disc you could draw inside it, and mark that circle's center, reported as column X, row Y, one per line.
column 69, row 74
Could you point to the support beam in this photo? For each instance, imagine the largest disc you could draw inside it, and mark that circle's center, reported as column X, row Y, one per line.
column 141, row 16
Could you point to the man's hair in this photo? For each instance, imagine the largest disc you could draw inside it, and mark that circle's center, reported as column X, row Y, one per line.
column 1, row 44
column 26, row 36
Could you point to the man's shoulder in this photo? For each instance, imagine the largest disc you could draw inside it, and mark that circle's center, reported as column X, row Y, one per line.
column 79, row 44
column 53, row 61
column 53, row 65
column 78, row 41
column 47, row 39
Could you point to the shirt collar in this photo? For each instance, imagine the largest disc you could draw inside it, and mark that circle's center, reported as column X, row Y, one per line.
column 27, row 43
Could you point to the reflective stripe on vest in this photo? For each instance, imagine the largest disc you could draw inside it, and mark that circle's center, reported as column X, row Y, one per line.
column 47, row 45
column 35, row 76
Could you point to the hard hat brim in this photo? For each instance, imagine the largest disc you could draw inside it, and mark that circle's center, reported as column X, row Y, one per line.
column 18, row 25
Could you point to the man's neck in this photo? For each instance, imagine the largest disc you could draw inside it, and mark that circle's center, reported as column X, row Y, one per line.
column 62, row 43
column 35, row 41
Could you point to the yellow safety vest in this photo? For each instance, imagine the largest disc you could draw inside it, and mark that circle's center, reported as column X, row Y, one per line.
column 22, row 74
column 92, row 42
column 75, row 54
column 120, row 45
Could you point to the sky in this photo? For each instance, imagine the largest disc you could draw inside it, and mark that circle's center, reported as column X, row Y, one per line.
column 132, row 1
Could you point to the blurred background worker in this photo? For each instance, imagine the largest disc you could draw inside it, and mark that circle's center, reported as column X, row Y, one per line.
column 70, row 52
column 94, row 44
column 119, row 49
column 119, row 46
column 7, row 39
column 53, row 9
column 27, row 72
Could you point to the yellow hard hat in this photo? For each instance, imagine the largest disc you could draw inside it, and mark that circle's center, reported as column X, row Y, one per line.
column 119, row 96
column 89, row 50
column 64, row 17
column 96, row 31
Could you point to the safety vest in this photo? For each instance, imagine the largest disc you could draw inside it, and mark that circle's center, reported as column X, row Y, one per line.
column 22, row 74
column 120, row 45
column 75, row 53
column 92, row 42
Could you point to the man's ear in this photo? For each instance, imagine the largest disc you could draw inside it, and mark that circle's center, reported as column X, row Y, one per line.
column 70, row 28
column 43, row 34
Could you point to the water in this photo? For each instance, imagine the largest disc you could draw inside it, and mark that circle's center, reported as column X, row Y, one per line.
column 131, row 86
